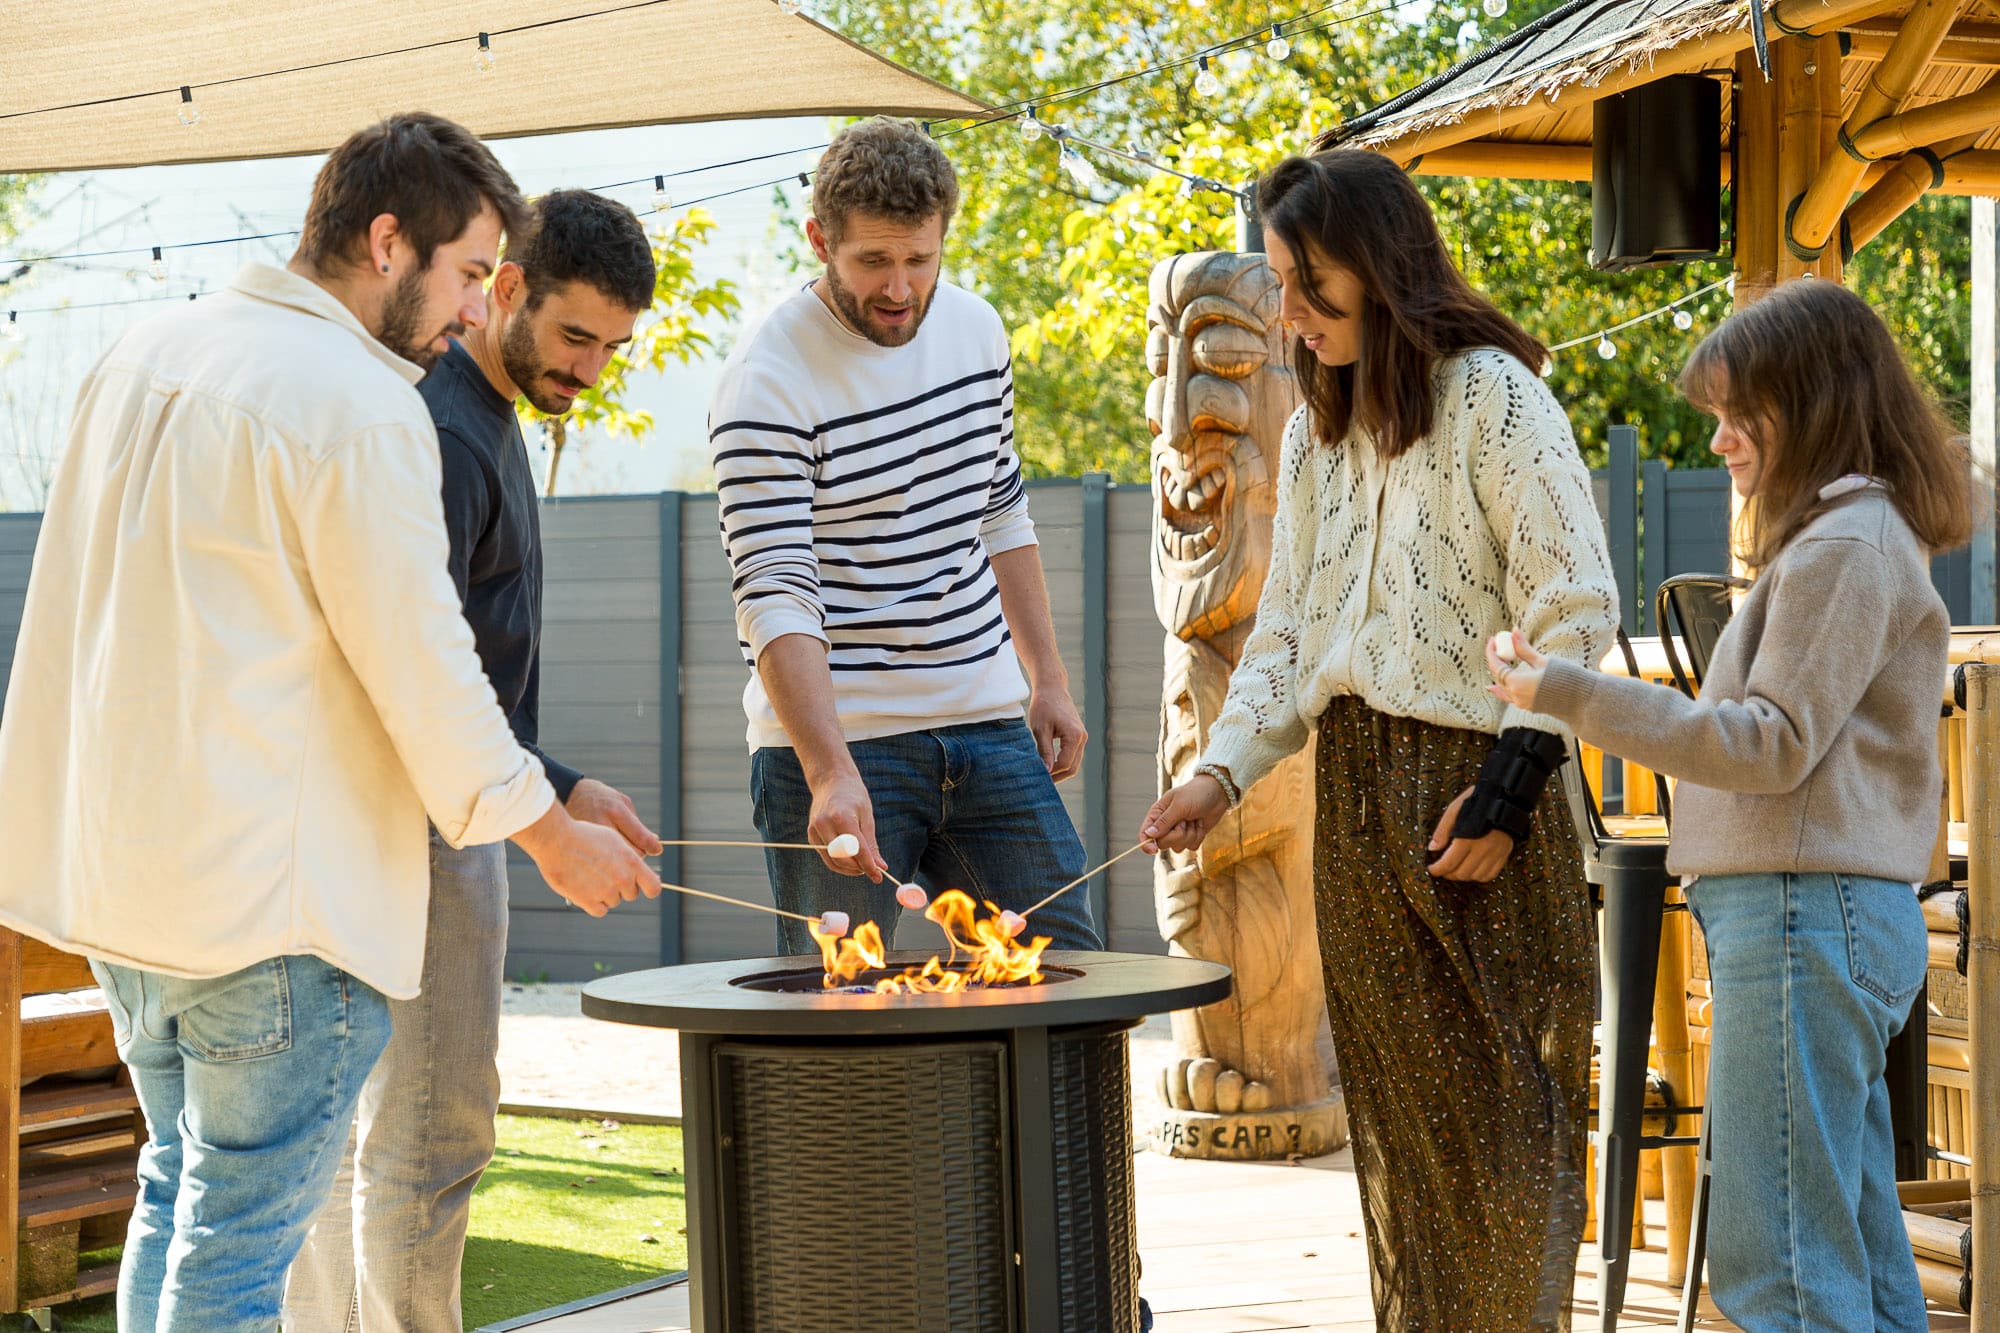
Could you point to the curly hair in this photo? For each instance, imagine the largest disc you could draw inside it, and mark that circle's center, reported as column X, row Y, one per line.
column 577, row 236
column 884, row 168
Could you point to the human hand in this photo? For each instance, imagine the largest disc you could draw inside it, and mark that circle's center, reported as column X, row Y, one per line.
column 1059, row 732
column 587, row 865
column 596, row 802
column 1469, row 860
column 841, row 805
column 1184, row 816
column 1518, row 681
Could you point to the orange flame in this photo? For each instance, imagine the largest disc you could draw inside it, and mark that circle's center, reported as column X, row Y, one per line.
column 991, row 956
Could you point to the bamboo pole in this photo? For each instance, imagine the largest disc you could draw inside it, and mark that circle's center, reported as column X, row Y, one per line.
column 1908, row 180
column 1945, row 1284
column 1983, row 982
column 1509, row 159
column 1936, row 1238
column 1975, row 112
column 1815, row 214
column 1972, row 44
column 1708, row 51
column 1757, row 217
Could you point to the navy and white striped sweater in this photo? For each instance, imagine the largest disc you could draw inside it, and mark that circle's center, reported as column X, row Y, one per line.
column 863, row 490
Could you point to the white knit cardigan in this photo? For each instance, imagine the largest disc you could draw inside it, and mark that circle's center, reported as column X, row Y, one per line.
column 1387, row 577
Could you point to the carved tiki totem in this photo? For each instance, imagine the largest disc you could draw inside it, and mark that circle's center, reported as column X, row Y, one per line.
column 1249, row 1080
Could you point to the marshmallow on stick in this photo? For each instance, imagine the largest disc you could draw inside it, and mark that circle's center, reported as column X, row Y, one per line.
column 844, row 845
column 833, row 923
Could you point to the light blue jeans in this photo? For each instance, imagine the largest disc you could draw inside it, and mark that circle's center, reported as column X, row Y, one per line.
column 248, row 1083
column 425, row 1127
column 1813, row 974
column 965, row 807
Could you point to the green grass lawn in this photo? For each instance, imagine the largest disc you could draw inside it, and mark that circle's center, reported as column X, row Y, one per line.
column 567, row 1210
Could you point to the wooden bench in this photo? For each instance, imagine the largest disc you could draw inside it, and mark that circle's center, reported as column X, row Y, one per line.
column 70, row 1129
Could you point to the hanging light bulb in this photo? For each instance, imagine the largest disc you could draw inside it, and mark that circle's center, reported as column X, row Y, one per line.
column 482, row 59
column 1081, row 169
column 11, row 330
column 1205, row 83
column 1494, row 8
column 158, row 268
column 1031, row 126
column 1605, row 347
column 1548, row 366
column 791, row 6
column 662, row 201
column 189, row 113
column 1278, row 48
column 1683, row 320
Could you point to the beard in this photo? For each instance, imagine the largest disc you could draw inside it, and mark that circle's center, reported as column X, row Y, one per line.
column 401, row 314
column 524, row 365
column 858, row 318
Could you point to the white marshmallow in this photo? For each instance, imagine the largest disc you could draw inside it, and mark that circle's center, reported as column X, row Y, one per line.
column 833, row 923
column 912, row 897
column 844, row 845
column 1503, row 646
column 1013, row 923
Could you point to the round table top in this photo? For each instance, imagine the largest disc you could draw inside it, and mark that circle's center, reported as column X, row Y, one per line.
column 700, row 997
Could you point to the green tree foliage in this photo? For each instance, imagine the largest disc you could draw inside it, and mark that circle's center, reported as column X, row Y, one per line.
column 1067, row 265
column 670, row 331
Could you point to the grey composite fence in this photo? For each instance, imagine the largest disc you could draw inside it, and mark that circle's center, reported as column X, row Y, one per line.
column 642, row 684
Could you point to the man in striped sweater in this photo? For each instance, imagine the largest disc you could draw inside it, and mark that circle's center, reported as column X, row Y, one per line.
column 889, row 592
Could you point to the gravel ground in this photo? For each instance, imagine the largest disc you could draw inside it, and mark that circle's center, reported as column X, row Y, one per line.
column 551, row 1054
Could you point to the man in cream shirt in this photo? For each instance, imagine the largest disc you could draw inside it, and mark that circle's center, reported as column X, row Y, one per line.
column 243, row 682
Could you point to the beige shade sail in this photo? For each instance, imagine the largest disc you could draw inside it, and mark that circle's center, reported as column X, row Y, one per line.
column 88, row 84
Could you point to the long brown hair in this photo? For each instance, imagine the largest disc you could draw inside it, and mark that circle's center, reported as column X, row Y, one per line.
column 1812, row 376
column 1357, row 209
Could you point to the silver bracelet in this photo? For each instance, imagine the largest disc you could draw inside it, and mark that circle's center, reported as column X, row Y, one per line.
column 1230, row 790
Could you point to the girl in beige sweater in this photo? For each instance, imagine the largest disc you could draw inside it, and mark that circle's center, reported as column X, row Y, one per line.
column 1430, row 494
column 1808, row 798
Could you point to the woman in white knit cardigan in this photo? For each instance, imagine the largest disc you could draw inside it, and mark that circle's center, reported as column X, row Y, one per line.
column 1430, row 495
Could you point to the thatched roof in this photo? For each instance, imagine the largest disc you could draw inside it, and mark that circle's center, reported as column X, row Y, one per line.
column 1537, row 86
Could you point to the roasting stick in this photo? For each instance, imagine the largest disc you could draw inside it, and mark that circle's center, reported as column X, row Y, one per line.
column 1022, row 917
column 822, row 921
column 834, row 847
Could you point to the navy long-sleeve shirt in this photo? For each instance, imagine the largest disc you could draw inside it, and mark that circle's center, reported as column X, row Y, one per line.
column 494, row 518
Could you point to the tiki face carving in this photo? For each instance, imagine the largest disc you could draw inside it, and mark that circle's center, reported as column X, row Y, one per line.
column 1221, row 391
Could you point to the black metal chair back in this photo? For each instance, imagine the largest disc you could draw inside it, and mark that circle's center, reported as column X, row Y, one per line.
column 1691, row 611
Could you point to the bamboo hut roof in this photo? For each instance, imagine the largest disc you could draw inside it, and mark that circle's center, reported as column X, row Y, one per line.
column 1531, row 93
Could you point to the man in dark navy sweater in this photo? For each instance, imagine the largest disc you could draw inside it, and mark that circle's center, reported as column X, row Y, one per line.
column 564, row 299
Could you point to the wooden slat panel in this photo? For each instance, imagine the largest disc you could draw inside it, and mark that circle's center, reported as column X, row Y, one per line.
column 45, row 968
column 58, row 1044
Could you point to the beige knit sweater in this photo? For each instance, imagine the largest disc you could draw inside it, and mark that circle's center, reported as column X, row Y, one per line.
column 1388, row 577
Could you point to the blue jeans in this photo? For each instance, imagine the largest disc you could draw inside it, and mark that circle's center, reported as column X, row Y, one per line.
column 967, row 807
column 1813, row 974
column 248, row 1083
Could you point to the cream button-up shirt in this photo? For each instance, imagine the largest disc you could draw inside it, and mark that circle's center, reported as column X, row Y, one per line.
column 243, row 678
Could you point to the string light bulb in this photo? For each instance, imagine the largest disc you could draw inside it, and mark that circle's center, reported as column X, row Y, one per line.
column 1031, row 126
column 1683, row 320
column 1494, row 8
column 189, row 114
column 158, row 268
column 1278, row 48
column 482, row 59
column 1605, row 347
column 662, row 201
column 1081, row 169
column 1205, row 83
column 11, row 330
column 791, row 6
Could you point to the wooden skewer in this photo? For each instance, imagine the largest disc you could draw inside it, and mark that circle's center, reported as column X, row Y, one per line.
column 1086, row 875
column 738, row 902
column 721, row 842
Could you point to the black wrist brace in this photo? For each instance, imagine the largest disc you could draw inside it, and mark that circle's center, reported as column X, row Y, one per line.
column 1509, row 783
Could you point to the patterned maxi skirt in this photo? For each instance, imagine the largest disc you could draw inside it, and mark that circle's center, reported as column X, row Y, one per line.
column 1461, row 1016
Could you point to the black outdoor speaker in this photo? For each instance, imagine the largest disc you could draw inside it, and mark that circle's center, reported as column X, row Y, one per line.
column 1655, row 176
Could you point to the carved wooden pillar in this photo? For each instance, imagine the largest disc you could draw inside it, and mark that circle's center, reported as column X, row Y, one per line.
column 1250, row 1080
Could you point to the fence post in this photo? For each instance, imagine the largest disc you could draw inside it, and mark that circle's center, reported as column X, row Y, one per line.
column 671, row 946
column 1653, row 494
column 1096, row 692
column 1624, row 525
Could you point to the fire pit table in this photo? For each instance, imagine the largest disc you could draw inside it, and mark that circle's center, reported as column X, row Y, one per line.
column 869, row 1163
